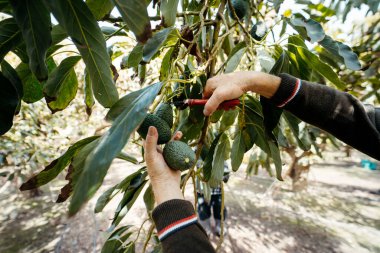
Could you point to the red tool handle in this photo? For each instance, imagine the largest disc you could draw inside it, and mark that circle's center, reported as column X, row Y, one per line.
column 226, row 105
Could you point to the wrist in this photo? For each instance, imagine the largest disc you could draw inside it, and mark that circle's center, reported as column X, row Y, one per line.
column 263, row 84
column 166, row 191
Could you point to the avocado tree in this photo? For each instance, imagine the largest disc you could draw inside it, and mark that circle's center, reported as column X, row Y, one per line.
column 175, row 47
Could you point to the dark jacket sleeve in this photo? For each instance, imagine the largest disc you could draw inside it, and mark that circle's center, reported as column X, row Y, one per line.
column 178, row 228
column 336, row 112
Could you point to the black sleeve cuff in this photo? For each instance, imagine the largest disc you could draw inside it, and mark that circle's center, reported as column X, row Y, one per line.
column 171, row 211
column 285, row 89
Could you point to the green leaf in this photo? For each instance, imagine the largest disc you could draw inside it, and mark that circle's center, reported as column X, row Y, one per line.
column 9, row 100
column 228, row 119
column 128, row 158
column 31, row 86
column 10, row 36
column 56, row 166
column 58, row 34
column 135, row 16
column 149, row 198
column 208, row 163
column 129, row 198
column 322, row 68
column 313, row 28
column 293, row 123
column 155, row 43
column 107, row 196
column 343, row 52
column 275, row 154
column 218, row 161
column 115, row 241
column 134, row 57
column 237, row 151
column 110, row 144
column 112, row 31
column 168, row 10
column 10, row 73
column 235, row 57
column 62, row 85
column 100, row 8
column 166, row 64
column 75, row 17
column 88, row 93
column 123, row 103
column 33, row 19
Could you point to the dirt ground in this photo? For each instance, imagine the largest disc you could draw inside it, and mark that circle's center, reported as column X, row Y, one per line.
column 339, row 211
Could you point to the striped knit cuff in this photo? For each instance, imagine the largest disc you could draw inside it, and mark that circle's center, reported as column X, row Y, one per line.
column 289, row 88
column 173, row 215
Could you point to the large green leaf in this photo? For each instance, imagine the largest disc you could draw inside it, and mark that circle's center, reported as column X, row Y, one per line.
column 9, row 100
column 228, row 119
column 134, row 58
column 208, row 163
column 62, row 85
column 56, row 166
column 342, row 51
column 59, row 78
column 110, row 144
column 31, row 86
column 168, row 10
column 79, row 23
column 149, row 198
column 155, row 43
column 58, row 34
column 235, row 57
column 313, row 28
column 100, row 8
column 276, row 156
column 115, row 242
column 33, row 19
column 293, row 123
column 135, row 15
column 10, row 73
column 237, row 151
column 10, row 36
column 218, row 161
column 297, row 46
column 88, row 93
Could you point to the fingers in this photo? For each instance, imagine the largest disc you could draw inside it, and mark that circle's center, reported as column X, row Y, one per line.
column 213, row 103
column 151, row 143
column 209, row 88
column 177, row 136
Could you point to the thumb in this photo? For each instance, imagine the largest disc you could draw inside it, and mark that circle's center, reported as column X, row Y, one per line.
column 151, row 142
column 212, row 104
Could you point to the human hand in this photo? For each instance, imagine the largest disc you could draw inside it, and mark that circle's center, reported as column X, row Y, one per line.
column 233, row 85
column 165, row 181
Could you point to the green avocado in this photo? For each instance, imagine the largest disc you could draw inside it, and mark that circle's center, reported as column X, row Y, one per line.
column 163, row 129
column 258, row 31
column 240, row 7
column 179, row 156
column 165, row 112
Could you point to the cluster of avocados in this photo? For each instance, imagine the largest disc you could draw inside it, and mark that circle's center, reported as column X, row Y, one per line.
column 177, row 154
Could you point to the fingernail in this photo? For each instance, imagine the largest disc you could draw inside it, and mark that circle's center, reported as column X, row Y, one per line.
column 205, row 112
column 151, row 131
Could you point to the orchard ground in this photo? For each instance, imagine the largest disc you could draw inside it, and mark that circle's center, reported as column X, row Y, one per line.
column 339, row 211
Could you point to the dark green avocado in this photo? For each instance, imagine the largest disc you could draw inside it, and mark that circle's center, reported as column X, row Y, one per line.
column 165, row 112
column 163, row 129
column 178, row 155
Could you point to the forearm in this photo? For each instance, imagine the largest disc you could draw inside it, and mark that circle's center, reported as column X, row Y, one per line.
column 178, row 229
column 337, row 112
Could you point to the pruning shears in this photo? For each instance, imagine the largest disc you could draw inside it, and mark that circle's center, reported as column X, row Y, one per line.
column 226, row 105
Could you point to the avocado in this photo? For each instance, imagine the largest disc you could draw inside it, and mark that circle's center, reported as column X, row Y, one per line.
column 178, row 155
column 165, row 112
column 163, row 129
column 258, row 31
column 240, row 7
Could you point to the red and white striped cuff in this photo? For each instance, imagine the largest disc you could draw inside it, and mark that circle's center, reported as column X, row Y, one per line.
column 296, row 89
column 163, row 233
